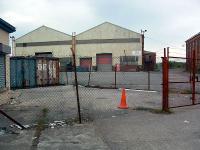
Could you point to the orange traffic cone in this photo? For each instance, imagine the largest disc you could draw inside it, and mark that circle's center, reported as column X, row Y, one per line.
column 123, row 104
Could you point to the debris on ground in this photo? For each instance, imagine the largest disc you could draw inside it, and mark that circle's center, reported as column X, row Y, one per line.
column 186, row 121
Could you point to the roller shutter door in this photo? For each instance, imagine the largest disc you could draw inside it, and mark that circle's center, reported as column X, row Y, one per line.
column 85, row 63
column 2, row 72
column 104, row 62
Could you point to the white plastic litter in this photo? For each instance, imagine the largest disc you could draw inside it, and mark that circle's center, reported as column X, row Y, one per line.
column 186, row 121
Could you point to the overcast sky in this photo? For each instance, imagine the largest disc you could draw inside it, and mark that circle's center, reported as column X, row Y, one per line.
column 168, row 22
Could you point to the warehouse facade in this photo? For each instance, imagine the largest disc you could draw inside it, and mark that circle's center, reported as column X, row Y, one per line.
column 101, row 47
column 5, row 50
column 193, row 44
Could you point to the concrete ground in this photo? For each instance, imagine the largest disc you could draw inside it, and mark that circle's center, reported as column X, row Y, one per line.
column 141, row 127
column 133, row 80
column 142, row 130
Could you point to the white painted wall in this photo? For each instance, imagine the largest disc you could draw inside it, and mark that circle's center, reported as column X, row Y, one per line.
column 4, row 37
column 57, row 50
column 43, row 34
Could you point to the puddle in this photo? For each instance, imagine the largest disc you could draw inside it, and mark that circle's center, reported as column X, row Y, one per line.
column 4, row 130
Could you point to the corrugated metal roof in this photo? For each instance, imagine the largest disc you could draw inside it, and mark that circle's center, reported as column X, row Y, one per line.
column 106, row 22
column 198, row 34
column 6, row 26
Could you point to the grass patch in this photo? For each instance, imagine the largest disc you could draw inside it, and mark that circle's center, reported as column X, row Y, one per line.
column 39, row 128
column 182, row 91
column 152, row 110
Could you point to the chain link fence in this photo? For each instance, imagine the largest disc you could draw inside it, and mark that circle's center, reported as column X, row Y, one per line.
column 99, row 85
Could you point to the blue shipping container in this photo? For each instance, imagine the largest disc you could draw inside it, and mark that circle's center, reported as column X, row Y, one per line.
column 22, row 72
column 29, row 72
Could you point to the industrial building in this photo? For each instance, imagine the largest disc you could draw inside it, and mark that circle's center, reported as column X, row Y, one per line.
column 107, row 45
column 5, row 50
column 149, row 61
column 100, row 48
column 193, row 44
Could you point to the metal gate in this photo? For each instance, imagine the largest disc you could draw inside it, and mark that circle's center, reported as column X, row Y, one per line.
column 180, row 85
column 2, row 71
column 104, row 62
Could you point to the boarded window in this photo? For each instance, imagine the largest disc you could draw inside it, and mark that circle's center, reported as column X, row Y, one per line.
column 128, row 60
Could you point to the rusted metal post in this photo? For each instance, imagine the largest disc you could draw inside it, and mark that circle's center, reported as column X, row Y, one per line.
column 167, row 52
column 75, row 73
column 167, row 74
column 90, row 67
column 193, row 76
column 115, row 76
column 165, row 103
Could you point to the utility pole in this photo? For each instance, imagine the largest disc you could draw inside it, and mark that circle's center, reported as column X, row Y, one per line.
column 142, row 34
column 13, row 45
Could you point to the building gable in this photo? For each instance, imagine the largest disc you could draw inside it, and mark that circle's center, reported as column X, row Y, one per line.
column 43, row 34
column 107, row 30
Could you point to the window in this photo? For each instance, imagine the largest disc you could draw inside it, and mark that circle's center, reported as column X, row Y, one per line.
column 44, row 54
column 24, row 44
column 128, row 60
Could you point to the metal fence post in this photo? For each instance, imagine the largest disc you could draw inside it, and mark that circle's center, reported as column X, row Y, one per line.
column 75, row 73
column 115, row 76
column 193, row 77
column 90, row 67
column 165, row 103
column 13, row 120
column 148, row 79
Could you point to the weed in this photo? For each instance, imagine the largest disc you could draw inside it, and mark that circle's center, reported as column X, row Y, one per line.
column 152, row 110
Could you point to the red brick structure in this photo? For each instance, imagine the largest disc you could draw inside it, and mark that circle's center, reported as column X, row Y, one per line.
column 193, row 44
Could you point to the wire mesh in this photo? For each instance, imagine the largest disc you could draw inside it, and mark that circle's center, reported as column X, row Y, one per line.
column 99, row 86
column 180, row 85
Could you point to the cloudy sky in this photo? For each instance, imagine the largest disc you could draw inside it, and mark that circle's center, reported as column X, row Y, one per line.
column 168, row 22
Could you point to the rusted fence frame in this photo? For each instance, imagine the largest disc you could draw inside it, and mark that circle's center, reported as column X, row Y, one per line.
column 165, row 63
column 193, row 77
column 165, row 100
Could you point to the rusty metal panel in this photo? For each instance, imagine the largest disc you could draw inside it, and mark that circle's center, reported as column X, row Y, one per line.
column 86, row 63
column 39, row 72
column 50, row 72
column 54, row 74
column 47, row 71
column 42, row 76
